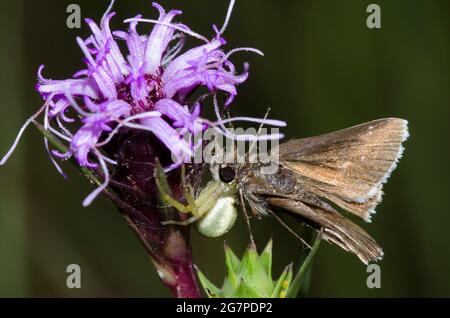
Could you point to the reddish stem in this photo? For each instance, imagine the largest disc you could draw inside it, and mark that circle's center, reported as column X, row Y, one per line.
column 134, row 192
column 172, row 260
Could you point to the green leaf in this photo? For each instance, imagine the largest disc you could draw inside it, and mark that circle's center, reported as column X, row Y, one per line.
column 254, row 273
column 286, row 284
column 283, row 283
column 52, row 139
column 299, row 277
column 249, row 261
column 250, row 277
column 231, row 257
column 265, row 259
column 210, row 289
column 232, row 264
column 246, row 290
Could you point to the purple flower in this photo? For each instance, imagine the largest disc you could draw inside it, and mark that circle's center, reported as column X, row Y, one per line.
column 147, row 89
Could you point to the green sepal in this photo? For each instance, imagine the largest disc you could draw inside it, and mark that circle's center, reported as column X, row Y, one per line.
column 283, row 283
column 232, row 264
column 265, row 259
column 210, row 289
column 249, row 277
column 246, row 290
column 254, row 273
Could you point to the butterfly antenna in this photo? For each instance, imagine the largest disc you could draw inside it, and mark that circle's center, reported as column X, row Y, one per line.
column 228, row 115
column 231, row 126
column 246, row 217
column 254, row 143
column 280, row 220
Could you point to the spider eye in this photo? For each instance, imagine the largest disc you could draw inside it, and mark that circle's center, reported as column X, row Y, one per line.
column 227, row 174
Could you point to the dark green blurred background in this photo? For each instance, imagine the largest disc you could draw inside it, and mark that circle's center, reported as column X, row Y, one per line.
column 323, row 70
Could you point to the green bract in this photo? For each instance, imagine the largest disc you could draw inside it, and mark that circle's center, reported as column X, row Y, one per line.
column 251, row 277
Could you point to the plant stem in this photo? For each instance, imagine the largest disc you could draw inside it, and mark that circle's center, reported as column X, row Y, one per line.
column 133, row 192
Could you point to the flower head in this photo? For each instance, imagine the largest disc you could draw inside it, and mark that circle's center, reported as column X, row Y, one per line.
column 146, row 89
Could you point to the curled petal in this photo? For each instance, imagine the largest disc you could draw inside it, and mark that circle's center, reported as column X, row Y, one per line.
column 158, row 41
column 99, row 73
column 83, row 142
column 184, row 61
column 94, row 125
column 105, row 183
column 170, row 137
column 77, row 87
column 21, row 131
column 180, row 115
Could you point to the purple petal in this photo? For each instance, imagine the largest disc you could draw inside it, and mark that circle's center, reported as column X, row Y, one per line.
column 183, row 62
column 158, row 40
column 77, row 87
column 180, row 115
column 169, row 137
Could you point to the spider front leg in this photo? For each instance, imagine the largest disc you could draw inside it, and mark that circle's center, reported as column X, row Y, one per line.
column 188, row 192
column 166, row 196
column 186, row 222
column 190, row 208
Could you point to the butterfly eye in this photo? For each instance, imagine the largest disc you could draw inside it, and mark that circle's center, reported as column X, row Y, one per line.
column 227, row 174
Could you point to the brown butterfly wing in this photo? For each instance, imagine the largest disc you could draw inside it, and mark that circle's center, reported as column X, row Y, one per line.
column 336, row 229
column 348, row 167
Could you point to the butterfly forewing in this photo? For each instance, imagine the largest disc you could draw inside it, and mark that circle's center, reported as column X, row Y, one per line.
column 348, row 167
